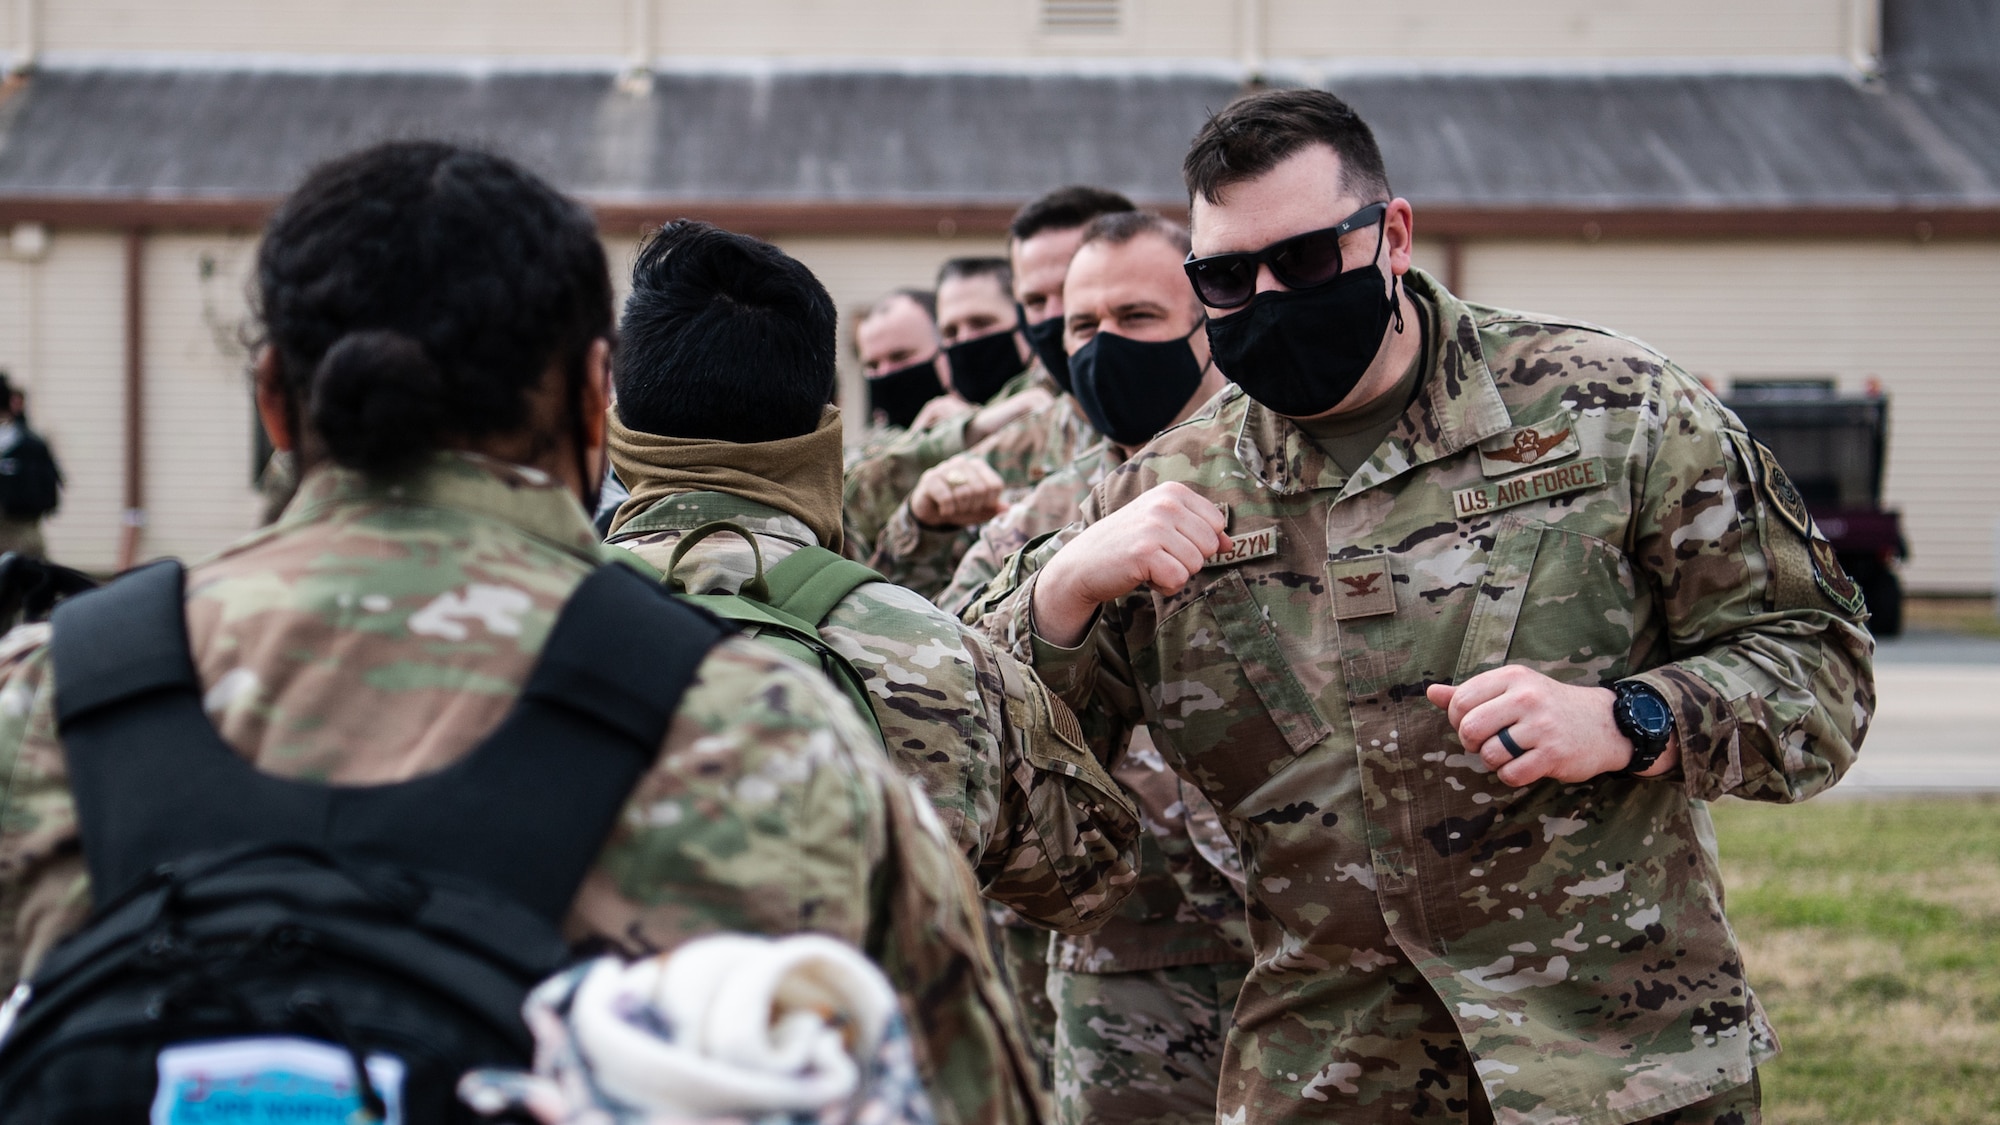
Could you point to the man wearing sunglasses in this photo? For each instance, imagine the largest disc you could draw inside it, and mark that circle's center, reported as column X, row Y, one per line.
column 1458, row 616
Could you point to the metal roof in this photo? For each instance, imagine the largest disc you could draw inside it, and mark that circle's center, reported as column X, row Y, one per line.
column 1926, row 134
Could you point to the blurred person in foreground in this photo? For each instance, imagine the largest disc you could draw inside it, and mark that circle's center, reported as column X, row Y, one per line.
column 437, row 327
column 1142, row 1005
column 1010, row 453
column 725, row 362
column 1459, row 616
column 30, row 481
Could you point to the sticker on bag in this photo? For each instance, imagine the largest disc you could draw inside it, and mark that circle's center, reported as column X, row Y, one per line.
column 271, row 1080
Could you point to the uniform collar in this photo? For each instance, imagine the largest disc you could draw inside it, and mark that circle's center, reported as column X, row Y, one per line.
column 685, row 511
column 1459, row 406
column 524, row 498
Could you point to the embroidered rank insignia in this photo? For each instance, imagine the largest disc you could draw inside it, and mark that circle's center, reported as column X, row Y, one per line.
column 1494, row 495
column 1781, row 494
column 1530, row 445
column 1246, row 545
column 1363, row 587
column 1833, row 579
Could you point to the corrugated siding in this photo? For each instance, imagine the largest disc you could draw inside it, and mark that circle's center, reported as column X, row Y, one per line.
column 62, row 337
column 953, row 28
column 1921, row 318
column 355, row 27
column 1548, row 29
column 198, row 411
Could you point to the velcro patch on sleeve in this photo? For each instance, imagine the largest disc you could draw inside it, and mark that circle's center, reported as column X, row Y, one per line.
column 1833, row 579
column 1780, row 493
column 1543, row 484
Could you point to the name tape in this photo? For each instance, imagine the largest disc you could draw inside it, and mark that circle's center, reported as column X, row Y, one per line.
column 1246, row 545
column 1492, row 496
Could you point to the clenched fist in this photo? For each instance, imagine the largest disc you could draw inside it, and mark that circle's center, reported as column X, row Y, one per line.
column 959, row 492
column 1564, row 732
column 1159, row 540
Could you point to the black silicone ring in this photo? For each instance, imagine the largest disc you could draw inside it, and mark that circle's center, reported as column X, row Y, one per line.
column 1507, row 740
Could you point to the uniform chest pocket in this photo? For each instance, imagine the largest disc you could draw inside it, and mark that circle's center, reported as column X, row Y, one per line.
column 1558, row 601
column 1225, row 699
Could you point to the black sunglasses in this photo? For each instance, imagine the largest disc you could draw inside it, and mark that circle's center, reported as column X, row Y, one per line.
column 1225, row 281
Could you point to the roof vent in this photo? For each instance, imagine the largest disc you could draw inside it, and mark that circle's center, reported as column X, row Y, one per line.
column 1082, row 17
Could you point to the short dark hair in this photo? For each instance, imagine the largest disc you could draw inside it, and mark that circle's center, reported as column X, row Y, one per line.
column 724, row 337
column 417, row 292
column 1256, row 133
column 996, row 268
column 1121, row 227
column 1063, row 209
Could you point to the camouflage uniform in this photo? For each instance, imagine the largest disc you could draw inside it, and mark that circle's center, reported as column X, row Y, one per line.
column 880, row 474
column 924, row 559
column 1045, row 828
column 377, row 632
column 1416, row 922
column 1142, row 1005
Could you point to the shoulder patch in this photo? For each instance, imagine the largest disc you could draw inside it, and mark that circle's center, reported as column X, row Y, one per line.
column 1833, row 579
column 1781, row 494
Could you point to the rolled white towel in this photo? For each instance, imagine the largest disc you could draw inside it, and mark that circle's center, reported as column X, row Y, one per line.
column 754, row 1025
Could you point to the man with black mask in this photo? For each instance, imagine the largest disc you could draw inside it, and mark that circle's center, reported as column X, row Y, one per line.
column 994, row 465
column 1142, row 1005
column 1459, row 616
column 896, row 341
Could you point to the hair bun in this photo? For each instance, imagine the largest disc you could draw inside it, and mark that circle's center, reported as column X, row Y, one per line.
column 378, row 402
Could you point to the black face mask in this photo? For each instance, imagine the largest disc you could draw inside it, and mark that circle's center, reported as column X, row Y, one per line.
column 1046, row 338
column 1301, row 352
column 901, row 393
column 1131, row 389
column 980, row 367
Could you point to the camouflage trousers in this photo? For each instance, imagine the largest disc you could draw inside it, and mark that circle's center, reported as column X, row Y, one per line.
column 1399, row 1059
column 1141, row 1048
column 1024, row 971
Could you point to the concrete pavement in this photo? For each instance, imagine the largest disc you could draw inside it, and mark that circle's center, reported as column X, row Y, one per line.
column 1937, row 718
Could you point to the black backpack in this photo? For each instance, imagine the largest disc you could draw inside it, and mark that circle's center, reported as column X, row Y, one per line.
column 353, row 924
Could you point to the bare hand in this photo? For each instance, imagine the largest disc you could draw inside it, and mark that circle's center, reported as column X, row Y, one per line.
column 957, row 493
column 943, row 408
column 1159, row 540
column 1565, row 732
column 992, row 417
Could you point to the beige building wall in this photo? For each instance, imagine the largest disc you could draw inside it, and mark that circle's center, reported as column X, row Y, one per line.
column 198, row 410
column 1918, row 317
column 1236, row 30
column 62, row 337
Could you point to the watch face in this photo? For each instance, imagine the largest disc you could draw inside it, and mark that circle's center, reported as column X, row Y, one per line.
column 1649, row 712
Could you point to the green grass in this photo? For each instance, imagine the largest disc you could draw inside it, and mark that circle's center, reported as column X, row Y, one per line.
column 1871, row 931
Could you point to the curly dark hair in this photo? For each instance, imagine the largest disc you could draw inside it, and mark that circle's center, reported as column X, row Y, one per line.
column 725, row 337
column 416, row 293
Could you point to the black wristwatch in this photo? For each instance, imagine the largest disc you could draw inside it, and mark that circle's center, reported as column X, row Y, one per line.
column 1643, row 717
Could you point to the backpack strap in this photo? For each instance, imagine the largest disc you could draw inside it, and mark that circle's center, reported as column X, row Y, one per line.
column 810, row 581
column 787, row 617
column 124, row 640
column 526, row 812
